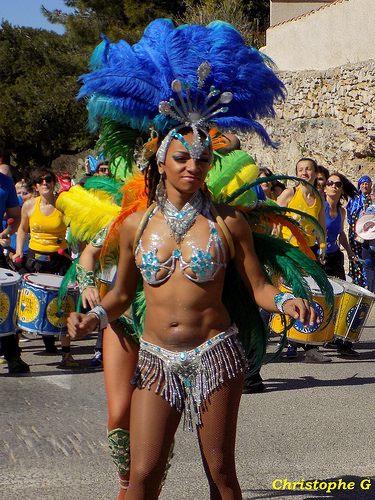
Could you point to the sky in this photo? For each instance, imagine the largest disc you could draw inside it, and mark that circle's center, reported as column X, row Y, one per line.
column 27, row 13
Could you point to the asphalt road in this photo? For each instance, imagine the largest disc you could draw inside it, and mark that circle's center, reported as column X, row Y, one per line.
column 314, row 423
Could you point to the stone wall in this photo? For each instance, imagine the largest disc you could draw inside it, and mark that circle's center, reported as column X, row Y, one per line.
column 328, row 115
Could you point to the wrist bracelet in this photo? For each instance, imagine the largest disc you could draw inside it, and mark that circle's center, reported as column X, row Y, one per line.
column 102, row 316
column 281, row 298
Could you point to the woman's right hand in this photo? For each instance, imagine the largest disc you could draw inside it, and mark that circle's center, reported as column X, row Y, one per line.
column 79, row 325
column 90, row 297
column 17, row 257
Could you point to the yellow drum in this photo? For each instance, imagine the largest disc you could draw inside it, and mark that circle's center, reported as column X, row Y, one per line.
column 105, row 278
column 318, row 333
column 353, row 312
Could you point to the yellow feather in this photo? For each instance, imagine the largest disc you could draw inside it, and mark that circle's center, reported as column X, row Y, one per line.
column 247, row 174
column 85, row 212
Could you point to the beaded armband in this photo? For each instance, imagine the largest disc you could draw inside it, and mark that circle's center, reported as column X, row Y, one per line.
column 281, row 298
column 84, row 278
column 98, row 240
column 102, row 316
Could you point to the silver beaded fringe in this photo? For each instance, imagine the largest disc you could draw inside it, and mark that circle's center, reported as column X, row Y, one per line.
column 186, row 379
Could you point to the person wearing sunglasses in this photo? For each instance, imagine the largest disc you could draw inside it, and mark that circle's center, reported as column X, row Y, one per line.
column 47, row 243
column 102, row 168
column 338, row 188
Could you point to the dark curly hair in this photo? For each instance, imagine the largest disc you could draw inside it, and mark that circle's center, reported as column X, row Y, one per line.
column 350, row 191
column 38, row 172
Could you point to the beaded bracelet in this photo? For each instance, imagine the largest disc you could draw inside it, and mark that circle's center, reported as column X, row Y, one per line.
column 85, row 278
column 281, row 298
column 102, row 316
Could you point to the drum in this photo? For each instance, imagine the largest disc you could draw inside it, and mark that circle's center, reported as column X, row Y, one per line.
column 318, row 333
column 353, row 312
column 9, row 284
column 105, row 278
column 38, row 310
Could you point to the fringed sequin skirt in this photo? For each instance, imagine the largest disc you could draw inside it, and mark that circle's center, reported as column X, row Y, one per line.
column 186, row 379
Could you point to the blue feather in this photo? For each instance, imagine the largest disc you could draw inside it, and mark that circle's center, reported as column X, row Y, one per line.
column 128, row 82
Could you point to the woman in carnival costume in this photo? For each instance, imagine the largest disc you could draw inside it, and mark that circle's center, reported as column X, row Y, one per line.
column 183, row 257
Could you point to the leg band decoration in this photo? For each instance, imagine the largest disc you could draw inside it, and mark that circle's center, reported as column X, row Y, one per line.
column 186, row 379
column 124, row 484
column 119, row 445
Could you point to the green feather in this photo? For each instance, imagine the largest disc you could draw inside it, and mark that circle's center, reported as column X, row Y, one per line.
column 109, row 185
column 139, row 309
column 118, row 140
column 225, row 168
column 292, row 265
column 69, row 279
column 255, row 213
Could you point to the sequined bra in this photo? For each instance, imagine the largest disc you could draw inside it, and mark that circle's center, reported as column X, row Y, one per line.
column 203, row 265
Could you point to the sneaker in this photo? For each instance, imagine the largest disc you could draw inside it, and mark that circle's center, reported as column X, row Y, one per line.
column 3, row 361
column 22, row 338
column 350, row 353
column 315, row 356
column 97, row 359
column 17, row 365
column 291, row 352
column 67, row 361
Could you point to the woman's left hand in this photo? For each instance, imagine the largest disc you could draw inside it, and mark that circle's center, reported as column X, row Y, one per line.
column 301, row 310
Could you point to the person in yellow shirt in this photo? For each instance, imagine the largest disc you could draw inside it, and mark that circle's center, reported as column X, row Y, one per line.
column 47, row 243
column 305, row 199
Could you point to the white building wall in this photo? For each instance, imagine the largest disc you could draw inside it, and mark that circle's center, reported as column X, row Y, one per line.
column 342, row 32
column 283, row 10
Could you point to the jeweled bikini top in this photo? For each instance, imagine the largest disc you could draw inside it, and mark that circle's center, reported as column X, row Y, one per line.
column 202, row 264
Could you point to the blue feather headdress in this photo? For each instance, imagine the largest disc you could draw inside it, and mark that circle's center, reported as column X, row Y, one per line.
column 128, row 83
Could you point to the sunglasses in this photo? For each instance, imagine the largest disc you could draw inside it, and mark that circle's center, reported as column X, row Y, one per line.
column 104, row 170
column 47, row 178
column 334, row 183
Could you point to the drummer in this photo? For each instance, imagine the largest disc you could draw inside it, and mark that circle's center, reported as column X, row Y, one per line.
column 9, row 204
column 47, row 244
column 305, row 199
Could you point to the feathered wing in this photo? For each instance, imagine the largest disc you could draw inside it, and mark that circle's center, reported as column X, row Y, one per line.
column 228, row 173
column 85, row 213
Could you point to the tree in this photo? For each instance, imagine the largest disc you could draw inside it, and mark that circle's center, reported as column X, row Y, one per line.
column 250, row 18
column 117, row 19
column 39, row 116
